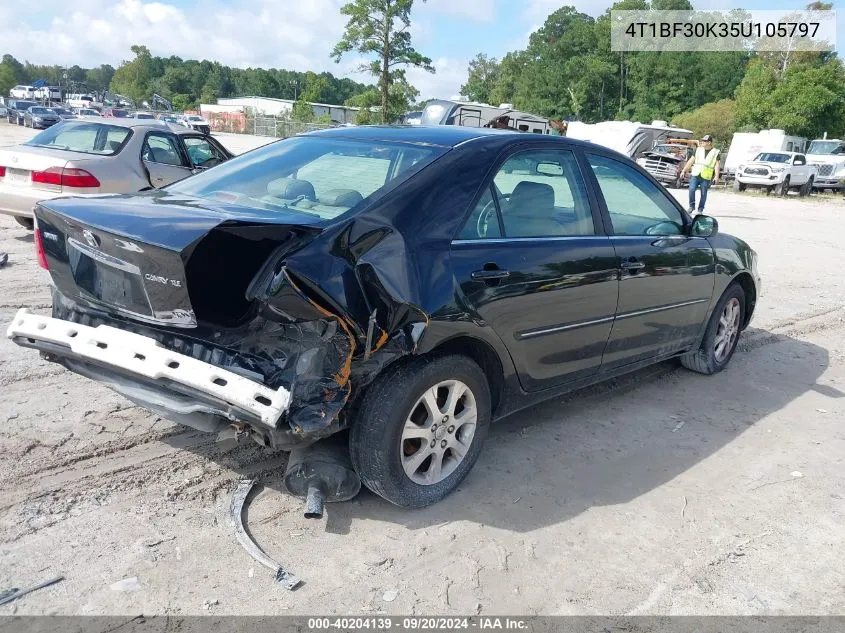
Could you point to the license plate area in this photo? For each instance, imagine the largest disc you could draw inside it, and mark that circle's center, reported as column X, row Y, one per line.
column 108, row 279
column 17, row 176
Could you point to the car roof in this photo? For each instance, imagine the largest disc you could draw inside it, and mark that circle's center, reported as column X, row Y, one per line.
column 447, row 135
column 136, row 124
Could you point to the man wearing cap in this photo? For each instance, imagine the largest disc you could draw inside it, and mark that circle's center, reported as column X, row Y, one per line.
column 704, row 170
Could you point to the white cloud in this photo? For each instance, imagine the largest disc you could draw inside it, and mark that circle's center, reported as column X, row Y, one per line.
column 444, row 83
column 476, row 10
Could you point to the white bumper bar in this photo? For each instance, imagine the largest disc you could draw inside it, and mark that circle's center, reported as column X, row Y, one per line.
column 144, row 356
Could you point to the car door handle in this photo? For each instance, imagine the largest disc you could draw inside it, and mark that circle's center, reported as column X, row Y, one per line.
column 632, row 266
column 487, row 275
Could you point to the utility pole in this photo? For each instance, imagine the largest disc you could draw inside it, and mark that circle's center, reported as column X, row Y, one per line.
column 295, row 84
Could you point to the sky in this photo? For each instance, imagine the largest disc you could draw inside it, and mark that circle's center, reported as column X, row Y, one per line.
column 290, row 34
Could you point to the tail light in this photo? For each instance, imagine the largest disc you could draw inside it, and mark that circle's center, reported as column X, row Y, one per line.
column 73, row 178
column 2, row 171
column 39, row 250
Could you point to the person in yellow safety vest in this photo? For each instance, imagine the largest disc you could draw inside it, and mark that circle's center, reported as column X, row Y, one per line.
column 704, row 171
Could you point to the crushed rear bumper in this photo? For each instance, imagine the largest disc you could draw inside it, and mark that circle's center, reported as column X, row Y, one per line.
column 148, row 367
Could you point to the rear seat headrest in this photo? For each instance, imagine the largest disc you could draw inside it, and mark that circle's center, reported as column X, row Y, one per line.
column 291, row 188
column 341, row 198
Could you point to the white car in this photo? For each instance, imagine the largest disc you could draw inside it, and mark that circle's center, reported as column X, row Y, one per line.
column 196, row 122
column 777, row 172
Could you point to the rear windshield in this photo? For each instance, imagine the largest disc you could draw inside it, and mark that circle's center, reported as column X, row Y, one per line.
column 89, row 138
column 308, row 174
column 119, row 113
column 772, row 158
column 142, row 115
column 41, row 111
column 23, row 105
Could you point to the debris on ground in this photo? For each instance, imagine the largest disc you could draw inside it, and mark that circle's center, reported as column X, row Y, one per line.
column 4, row 259
column 207, row 604
column 390, row 595
column 127, row 584
column 14, row 593
column 285, row 578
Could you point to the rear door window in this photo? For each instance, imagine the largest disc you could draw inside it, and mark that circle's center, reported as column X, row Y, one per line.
column 162, row 149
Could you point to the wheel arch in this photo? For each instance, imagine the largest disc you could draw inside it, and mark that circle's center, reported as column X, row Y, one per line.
column 745, row 281
column 485, row 356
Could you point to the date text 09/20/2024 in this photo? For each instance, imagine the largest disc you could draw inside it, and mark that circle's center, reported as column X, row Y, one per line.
column 418, row 624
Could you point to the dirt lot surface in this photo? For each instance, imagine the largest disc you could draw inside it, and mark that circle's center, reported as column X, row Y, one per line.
column 661, row 493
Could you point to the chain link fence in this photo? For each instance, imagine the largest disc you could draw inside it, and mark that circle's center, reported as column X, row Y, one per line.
column 279, row 127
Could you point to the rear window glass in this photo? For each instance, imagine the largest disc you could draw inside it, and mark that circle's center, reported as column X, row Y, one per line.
column 40, row 111
column 311, row 175
column 88, row 138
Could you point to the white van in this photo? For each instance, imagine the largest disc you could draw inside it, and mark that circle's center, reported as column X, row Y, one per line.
column 22, row 92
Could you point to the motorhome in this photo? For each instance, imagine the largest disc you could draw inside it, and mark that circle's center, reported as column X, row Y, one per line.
column 631, row 138
column 746, row 145
column 829, row 155
column 474, row 114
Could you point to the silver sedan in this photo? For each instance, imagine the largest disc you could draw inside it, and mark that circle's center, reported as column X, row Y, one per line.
column 100, row 156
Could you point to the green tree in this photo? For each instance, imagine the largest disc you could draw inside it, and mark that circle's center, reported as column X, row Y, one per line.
column 303, row 111
column 132, row 78
column 753, row 102
column 380, row 28
column 717, row 119
column 510, row 70
column 7, row 79
column 483, row 74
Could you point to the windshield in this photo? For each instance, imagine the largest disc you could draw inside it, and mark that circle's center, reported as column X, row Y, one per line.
column 825, row 147
column 89, row 112
column 194, row 118
column 119, row 113
column 88, row 138
column 144, row 115
column 23, row 105
column 768, row 157
column 40, row 111
column 311, row 175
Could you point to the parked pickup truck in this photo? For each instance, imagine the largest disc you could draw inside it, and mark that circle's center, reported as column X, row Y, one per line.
column 778, row 172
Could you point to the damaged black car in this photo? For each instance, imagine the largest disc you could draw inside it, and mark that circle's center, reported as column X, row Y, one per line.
column 394, row 288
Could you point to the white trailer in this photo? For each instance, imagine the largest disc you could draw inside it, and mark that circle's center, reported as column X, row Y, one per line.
column 746, row 145
column 631, row 138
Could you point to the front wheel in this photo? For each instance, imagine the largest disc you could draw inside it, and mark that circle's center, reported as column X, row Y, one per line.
column 420, row 429
column 739, row 186
column 721, row 336
column 783, row 188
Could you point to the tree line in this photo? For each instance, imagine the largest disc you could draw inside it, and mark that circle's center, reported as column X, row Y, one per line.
column 185, row 83
column 568, row 71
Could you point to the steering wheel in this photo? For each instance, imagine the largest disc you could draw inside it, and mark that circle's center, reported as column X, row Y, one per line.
column 488, row 214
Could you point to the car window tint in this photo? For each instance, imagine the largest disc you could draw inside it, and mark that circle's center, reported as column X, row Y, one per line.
column 543, row 195
column 635, row 204
column 89, row 138
column 201, row 152
column 483, row 222
column 162, row 149
column 339, row 171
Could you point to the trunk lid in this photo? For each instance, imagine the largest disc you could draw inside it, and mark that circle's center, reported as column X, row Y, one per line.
column 161, row 258
column 21, row 161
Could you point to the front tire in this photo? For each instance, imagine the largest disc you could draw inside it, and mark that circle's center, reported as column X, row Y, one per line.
column 783, row 188
column 739, row 186
column 722, row 334
column 807, row 188
column 420, row 429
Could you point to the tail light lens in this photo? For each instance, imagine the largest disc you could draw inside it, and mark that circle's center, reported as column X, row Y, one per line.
column 39, row 250
column 2, row 171
column 72, row 178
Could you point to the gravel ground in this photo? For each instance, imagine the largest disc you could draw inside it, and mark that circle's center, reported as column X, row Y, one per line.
column 663, row 492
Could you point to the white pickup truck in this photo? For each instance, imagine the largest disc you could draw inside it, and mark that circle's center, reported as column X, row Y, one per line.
column 778, row 172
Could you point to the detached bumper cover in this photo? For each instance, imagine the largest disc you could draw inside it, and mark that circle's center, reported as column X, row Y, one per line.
column 144, row 357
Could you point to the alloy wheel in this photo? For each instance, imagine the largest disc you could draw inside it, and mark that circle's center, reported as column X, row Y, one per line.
column 438, row 432
column 728, row 330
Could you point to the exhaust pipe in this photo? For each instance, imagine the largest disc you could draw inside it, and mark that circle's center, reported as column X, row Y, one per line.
column 322, row 473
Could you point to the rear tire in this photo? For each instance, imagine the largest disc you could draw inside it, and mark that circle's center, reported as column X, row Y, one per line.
column 27, row 223
column 721, row 336
column 395, row 423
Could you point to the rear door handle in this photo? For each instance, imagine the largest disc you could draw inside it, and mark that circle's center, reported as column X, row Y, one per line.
column 487, row 275
column 632, row 266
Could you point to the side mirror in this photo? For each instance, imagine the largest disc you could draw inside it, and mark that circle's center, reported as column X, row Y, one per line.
column 704, row 226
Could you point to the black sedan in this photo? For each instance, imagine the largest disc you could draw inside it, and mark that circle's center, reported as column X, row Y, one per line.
column 16, row 110
column 407, row 285
column 40, row 117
